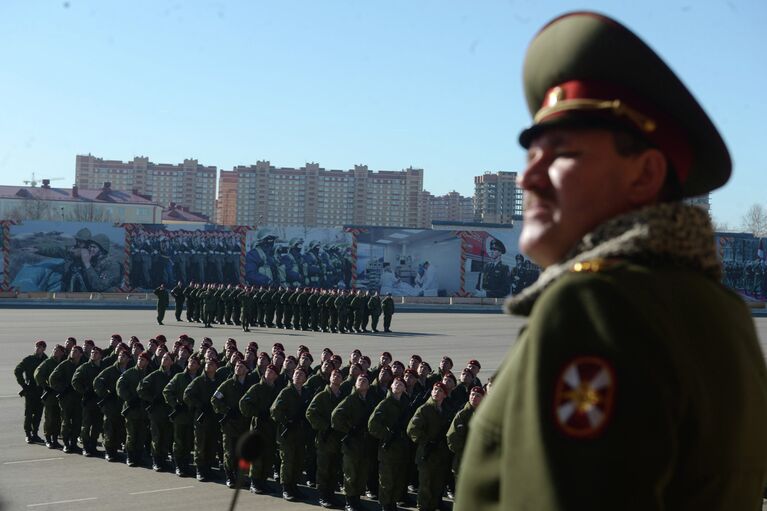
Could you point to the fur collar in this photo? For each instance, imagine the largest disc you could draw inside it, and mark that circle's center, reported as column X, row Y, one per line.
column 668, row 234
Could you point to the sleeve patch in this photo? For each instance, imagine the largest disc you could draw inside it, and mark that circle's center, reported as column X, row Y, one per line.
column 584, row 397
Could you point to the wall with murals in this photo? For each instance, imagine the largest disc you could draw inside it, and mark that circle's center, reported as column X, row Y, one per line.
column 44, row 256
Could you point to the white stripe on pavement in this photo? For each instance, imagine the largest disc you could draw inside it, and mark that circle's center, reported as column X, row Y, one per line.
column 60, row 502
column 32, row 461
column 163, row 489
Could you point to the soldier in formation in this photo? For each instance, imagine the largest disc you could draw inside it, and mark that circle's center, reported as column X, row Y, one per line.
column 300, row 308
column 369, row 429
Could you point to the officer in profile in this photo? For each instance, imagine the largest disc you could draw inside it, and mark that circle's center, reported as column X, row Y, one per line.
column 495, row 279
column 608, row 399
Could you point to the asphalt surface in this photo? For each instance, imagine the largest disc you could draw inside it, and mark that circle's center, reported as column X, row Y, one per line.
column 36, row 478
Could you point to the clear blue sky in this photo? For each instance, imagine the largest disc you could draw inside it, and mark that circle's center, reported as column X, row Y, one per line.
column 432, row 84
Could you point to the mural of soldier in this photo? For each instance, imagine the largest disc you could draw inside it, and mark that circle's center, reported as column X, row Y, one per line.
column 52, row 261
column 260, row 263
column 232, row 261
column 495, row 279
column 315, row 268
column 293, row 262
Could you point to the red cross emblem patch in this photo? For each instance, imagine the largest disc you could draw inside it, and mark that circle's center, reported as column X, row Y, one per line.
column 583, row 397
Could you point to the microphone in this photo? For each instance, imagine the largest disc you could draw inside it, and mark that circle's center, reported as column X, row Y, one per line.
column 247, row 450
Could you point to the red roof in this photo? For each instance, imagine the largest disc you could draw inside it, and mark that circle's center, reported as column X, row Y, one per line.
column 102, row 195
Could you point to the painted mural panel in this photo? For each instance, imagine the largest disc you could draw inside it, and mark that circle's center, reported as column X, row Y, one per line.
column 299, row 257
column 65, row 256
column 183, row 253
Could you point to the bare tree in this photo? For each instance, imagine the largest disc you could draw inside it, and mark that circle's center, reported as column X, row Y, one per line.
column 88, row 212
column 720, row 226
column 31, row 209
column 755, row 221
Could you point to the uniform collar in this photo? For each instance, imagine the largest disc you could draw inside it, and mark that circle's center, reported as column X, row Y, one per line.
column 670, row 234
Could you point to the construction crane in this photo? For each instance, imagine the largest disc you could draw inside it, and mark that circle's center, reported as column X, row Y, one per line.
column 34, row 182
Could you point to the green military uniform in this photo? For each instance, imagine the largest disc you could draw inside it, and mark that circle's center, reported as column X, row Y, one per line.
column 304, row 309
column 32, row 392
column 210, row 304
column 256, row 404
column 92, row 417
column 245, row 300
column 105, row 387
column 350, row 418
column 313, row 319
column 328, row 441
column 374, row 307
column 207, row 433
column 388, row 424
column 427, row 429
column 182, row 419
column 387, row 307
column 288, row 412
column 162, row 303
column 150, row 391
column 295, row 309
column 190, row 295
column 52, row 415
column 179, row 297
column 456, row 435
column 606, row 401
column 226, row 402
column 136, row 419
column 69, row 403
column 341, row 305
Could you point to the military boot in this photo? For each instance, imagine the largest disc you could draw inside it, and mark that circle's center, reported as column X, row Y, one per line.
column 288, row 493
column 353, row 504
column 54, row 443
column 258, row 487
column 28, row 438
column 36, row 438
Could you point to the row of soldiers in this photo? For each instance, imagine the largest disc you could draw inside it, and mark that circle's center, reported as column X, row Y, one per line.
column 375, row 429
column 320, row 310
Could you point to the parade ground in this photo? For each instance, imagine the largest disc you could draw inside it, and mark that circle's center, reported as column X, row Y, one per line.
column 35, row 478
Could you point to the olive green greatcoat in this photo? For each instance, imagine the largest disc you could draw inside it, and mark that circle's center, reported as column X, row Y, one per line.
column 52, row 415
column 288, row 412
column 256, row 404
column 136, row 419
column 33, row 404
column 387, row 424
column 105, row 387
column 387, row 307
column 456, row 435
column 69, row 400
column 327, row 440
column 92, row 417
column 374, row 308
column 427, row 429
column 150, row 391
column 163, row 299
column 350, row 418
column 679, row 436
column 180, row 416
column 207, row 433
column 226, row 402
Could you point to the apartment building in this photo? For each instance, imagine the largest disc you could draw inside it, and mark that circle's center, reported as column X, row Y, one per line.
column 497, row 199
column 450, row 207
column 188, row 184
column 312, row 196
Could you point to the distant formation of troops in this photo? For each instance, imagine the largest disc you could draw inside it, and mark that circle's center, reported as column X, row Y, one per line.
column 377, row 431
column 169, row 256
column 319, row 310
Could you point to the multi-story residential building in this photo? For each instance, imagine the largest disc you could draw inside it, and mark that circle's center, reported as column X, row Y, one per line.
column 104, row 204
column 189, row 184
column 226, row 204
column 702, row 201
column 452, row 207
column 497, row 198
column 312, row 196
